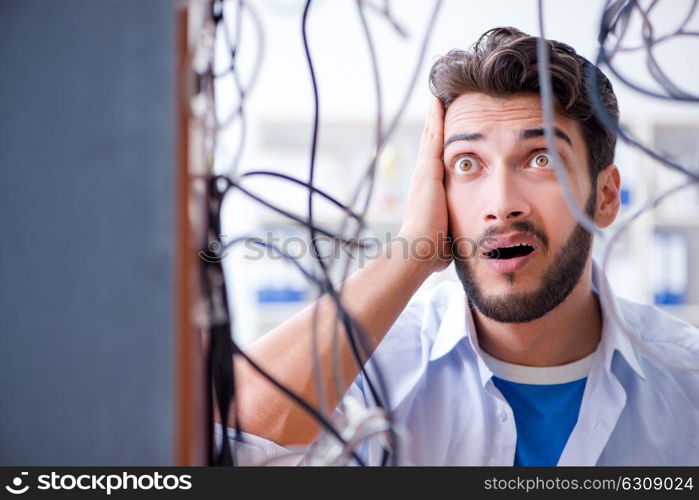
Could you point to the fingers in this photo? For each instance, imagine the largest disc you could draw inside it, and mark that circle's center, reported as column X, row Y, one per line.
column 432, row 139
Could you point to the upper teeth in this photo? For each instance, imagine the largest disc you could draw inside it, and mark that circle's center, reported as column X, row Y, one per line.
column 518, row 245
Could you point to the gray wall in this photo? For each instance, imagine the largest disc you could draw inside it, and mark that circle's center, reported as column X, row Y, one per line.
column 86, row 231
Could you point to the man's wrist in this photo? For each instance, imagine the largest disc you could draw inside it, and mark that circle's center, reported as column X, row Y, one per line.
column 423, row 254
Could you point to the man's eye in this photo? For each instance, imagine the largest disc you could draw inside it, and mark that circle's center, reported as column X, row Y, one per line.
column 465, row 165
column 541, row 160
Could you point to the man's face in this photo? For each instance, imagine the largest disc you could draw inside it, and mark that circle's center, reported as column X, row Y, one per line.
column 502, row 191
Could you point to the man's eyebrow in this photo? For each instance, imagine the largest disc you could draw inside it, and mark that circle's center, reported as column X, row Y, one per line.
column 531, row 133
column 475, row 136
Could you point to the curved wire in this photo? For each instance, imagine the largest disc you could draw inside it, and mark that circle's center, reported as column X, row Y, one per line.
column 605, row 292
column 613, row 11
column 547, row 110
column 356, row 340
column 614, row 28
column 320, row 283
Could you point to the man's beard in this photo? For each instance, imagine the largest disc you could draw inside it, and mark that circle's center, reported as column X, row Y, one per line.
column 557, row 282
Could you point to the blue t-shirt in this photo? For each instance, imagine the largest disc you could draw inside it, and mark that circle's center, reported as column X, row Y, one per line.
column 544, row 415
column 545, row 402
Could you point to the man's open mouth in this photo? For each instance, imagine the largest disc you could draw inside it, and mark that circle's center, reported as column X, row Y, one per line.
column 510, row 252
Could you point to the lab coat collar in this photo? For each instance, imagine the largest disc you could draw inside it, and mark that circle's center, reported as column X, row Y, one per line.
column 613, row 336
column 453, row 326
column 457, row 323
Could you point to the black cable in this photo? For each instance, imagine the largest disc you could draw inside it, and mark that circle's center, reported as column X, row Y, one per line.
column 612, row 15
column 222, row 378
column 316, row 190
column 221, row 358
column 311, row 175
column 289, row 215
column 593, row 87
column 372, row 168
column 323, row 285
column 221, row 345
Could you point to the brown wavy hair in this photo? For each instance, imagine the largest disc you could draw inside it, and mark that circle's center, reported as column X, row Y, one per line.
column 503, row 62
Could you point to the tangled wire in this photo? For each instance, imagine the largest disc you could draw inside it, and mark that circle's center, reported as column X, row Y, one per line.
column 224, row 15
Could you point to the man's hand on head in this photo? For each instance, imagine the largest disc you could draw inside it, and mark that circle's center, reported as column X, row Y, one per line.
column 425, row 222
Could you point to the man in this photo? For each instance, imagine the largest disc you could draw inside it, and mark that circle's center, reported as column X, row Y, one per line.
column 522, row 363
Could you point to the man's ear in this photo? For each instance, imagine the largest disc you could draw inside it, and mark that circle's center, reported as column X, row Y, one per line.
column 608, row 199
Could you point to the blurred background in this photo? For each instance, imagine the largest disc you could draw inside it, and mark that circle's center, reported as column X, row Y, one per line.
column 87, row 153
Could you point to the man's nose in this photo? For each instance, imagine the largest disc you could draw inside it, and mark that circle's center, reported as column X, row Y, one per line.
column 506, row 200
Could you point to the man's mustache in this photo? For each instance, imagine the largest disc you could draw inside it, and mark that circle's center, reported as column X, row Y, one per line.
column 523, row 226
